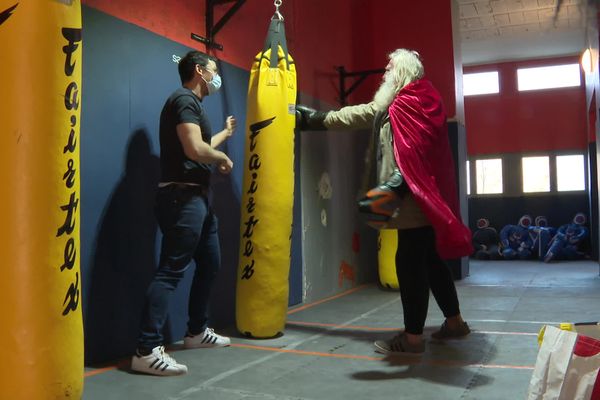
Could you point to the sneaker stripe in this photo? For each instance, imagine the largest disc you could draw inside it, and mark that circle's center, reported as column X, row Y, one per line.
column 208, row 338
column 160, row 363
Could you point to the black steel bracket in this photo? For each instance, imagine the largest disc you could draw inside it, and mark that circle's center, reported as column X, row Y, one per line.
column 362, row 75
column 211, row 28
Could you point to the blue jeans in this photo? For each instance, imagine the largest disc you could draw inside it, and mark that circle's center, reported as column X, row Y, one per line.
column 190, row 232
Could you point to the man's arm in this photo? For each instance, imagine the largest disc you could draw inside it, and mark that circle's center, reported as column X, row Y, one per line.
column 197, row 150
column 347, row 118
column 352, row 117
column 225, row 134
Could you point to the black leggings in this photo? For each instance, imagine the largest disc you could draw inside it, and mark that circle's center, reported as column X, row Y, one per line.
column 419, row 268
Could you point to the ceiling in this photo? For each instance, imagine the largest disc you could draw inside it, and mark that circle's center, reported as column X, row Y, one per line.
column 502, row 30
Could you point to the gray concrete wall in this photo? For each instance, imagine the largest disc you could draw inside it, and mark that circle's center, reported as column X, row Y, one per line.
column 339, row 252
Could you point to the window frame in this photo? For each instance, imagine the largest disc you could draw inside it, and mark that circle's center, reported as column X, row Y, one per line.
column 586, row 172
column 550, row 173
column 473, row 172
column 517, row 189
column 497, row 72
column 518, row 80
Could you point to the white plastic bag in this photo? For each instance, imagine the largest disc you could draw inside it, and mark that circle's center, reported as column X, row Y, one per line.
column 567, row 367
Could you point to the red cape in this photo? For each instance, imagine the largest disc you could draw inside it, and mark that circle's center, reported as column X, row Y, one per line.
column 423, row 155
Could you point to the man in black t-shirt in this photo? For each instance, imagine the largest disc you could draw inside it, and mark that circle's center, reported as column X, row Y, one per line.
column 189, row 226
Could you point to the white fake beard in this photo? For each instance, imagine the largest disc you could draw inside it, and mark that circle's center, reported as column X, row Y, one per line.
column 386, row 92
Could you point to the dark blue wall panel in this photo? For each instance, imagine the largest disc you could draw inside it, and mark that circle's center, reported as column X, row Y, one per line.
column 128, row 73
column 559, row 209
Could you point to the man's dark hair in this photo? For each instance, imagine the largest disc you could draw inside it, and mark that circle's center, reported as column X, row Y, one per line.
column 188, row 63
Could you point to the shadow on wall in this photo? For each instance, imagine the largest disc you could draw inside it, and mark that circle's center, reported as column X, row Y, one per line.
column 124, row 259
column 226, row 206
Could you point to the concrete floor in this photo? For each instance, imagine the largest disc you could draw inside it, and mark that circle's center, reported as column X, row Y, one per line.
column 327, row 352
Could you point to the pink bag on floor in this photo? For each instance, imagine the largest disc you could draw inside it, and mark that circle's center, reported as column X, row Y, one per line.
column 567, row 367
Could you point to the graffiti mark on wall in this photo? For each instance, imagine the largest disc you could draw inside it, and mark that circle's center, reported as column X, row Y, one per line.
column 324, row 218
column 325, row 189
column 346, row 273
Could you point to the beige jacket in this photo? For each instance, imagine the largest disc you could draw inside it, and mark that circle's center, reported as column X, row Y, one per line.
column 362, row 117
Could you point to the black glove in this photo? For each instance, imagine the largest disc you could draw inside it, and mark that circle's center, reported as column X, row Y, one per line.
column 380, row 203
column 309, row 119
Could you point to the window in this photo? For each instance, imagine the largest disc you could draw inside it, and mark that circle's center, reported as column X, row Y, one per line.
column 480, row 83
column 489, row 176
column 549, row 77
column 570, row 173
column 468, row 178
column 536, row 174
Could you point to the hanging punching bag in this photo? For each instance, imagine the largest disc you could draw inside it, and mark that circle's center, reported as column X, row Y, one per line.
column 40, row 281
column 268, row 190
column 386, row 257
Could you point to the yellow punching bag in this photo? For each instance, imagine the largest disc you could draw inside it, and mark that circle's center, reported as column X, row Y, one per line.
column 386, row 257
column 268, row 190
column 40, row 281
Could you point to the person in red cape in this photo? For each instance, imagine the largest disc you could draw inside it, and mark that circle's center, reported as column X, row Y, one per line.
column 423, row 155
column 416, row 193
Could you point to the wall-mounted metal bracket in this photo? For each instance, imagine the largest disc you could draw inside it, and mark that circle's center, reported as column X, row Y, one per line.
column 362, row 75
column 211, row 28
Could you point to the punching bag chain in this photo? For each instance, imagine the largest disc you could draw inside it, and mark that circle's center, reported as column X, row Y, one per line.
column 277, row 15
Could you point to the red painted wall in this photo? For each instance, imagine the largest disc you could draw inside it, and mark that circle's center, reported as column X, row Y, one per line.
column 357, row 34
column 317, row 33
column 513, row 121
column 425, row 26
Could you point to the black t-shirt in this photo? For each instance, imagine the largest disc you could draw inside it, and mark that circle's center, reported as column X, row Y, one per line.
column 182, row 106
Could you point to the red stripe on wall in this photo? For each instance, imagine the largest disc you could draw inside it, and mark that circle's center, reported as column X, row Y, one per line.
column 385, row 25
column 357, row 34
column 513, row 121
column 317, row 33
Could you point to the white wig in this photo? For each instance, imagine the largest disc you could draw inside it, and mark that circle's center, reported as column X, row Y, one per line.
column 406, row 67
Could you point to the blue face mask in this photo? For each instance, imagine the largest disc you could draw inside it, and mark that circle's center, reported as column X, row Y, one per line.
column 214, row 85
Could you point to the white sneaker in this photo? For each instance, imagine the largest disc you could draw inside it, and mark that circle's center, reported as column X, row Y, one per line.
column 208, row 338
column 157, row 363
column 398, row 345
